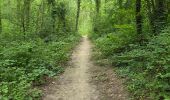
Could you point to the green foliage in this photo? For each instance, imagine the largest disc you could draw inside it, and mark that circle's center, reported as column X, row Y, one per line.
column 111, row 43
column 35, row 43
column 143, row 56
column 26, row 62
column 36, row 39
column 146, row 67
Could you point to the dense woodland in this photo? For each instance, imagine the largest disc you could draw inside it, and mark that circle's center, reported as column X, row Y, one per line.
column 37, row 37
column 134, row 35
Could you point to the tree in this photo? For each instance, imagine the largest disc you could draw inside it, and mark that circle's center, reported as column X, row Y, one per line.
column 78, row 13
column 25, row 16
column 19, row 15
column 168, row 7
column 53, row 15
column 27, row 5
column 98, row 2
column 62, row 11
column 158, row 14
column 161, row 14
column 120, row 3
column 139, row 20
column 0, row 19
column 151, row 8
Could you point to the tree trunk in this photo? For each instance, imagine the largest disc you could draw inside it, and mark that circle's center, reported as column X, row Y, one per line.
column 53, row 15
column 138, row 17
column 0, row 19
column 27, row 6
column 120, row 4
column 153, row 5
column 150, row 15
column 105, row 5
column 161, row 14
column 139, row 21
column 78, row 14
column 168, row 7
column 42, row 11
column 98, row 2
column 19, row 15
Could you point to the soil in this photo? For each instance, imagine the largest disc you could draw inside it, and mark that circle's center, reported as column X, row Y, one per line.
column 84, row 80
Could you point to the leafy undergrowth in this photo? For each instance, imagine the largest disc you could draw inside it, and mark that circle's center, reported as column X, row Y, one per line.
column 146, row 67
column 25, row 64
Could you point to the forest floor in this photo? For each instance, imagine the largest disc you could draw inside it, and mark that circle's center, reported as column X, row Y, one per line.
column 83, row 80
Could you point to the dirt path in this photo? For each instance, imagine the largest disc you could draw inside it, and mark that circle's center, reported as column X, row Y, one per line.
column 80, row 80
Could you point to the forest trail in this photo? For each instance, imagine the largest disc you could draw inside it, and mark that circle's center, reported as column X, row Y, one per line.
column 82, row 80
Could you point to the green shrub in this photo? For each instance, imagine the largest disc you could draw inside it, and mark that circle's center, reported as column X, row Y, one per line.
column 146, row 67
column 114, row 42
column 26, row 63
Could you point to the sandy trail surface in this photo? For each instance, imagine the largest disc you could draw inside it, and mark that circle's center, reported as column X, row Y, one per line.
column 81, row 80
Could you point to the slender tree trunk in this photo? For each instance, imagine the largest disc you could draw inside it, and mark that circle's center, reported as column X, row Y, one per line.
column 53, row 15
column 153, row 5
column 168, row 7
column 120, row 4
column 64, row 23
column 25, row 15
column 161, row 14
column 0, row 18
column 97, row 17
column 98, row 2
column 78, row 14
column 19, row 15
column 105, row 6
column 150, row 15
column 139, row 20
column 27, row 6
column 42, row 14
column 120, row 19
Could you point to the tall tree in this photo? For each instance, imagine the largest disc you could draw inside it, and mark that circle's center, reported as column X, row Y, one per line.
column 161, row 14
column 19, row 14
column 151, row 9
column 78, row 13
column 52, row 10
column 25, row 13
column 0, row 18
column 139, row 20
column 53, row 15
column 98, row 2
column 41, row 13
column 120, row 3
column 27, row 7
column 105, row 6
column 168, row 7
column 157, row 13
column 62, row 14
